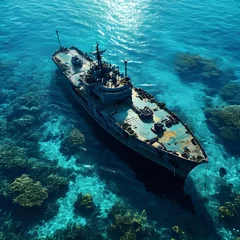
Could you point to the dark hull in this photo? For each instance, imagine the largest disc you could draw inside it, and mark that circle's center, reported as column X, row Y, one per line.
column 177, row 166
column 128, row 154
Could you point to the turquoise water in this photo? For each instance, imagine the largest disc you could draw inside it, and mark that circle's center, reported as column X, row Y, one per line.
column 149, row 34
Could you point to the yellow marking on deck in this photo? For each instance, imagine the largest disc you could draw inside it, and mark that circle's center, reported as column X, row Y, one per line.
column 156, row 144
column 156, row 119
column 168, row 134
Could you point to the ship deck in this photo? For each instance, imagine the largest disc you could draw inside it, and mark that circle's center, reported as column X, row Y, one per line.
column 63, row 59
column 176, row 139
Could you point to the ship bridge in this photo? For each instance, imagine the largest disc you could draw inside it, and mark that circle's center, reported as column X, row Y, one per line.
column 103, row 79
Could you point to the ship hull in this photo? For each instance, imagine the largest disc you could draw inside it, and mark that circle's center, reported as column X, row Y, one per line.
column 181, row 167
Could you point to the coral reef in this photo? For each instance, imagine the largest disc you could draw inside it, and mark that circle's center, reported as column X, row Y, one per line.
column 227, row 124
column 15, row 160
column 29, row 193
column 13, row 157
column 130, row 225
column 10, row 229
column 84, row 204
column 29, row 103
column 229, row 213
column 72, row 143
column 179, row 233
column 55, row 183
column 42, row 172
column 230, row 209
column 25, row 121
column 5, row 191
column 76, row 137
column 231, row 93
column 32, row 135
column 197, row 67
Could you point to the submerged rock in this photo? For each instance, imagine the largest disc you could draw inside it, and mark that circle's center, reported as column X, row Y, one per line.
column 84, row 204
column 29, row 193
column 222, row 172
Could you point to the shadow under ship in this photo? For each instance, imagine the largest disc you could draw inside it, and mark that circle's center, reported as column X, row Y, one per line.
column 131, row 115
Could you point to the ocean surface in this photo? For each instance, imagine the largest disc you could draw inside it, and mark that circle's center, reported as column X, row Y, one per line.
column 149, row 34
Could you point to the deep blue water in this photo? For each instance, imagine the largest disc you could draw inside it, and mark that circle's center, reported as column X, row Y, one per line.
column 149, row 34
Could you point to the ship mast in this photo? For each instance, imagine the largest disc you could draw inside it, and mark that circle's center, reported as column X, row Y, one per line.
column 58, row 39
column 125, row 63
column 98, row 56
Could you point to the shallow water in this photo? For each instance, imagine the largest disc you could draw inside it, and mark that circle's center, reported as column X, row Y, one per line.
column 149, row 34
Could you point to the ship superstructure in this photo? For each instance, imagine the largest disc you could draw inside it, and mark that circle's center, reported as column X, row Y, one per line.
column 128, row 113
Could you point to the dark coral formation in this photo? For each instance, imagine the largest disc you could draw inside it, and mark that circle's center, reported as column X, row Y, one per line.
column 76, row 137
column 51, row 175
column 179, row 233
column 13, row 157
column 226, row 120
column 231, row 93
column 31, row 103
column 73, row 142
column 10, row 230
column 25, row 121
column 29, row 187
column 84, row 204
column 22, row 118
column 196, row 68
column 229, row 212
column 28, row 192
column 55, row 183
column 5, row 191
column 127, row 224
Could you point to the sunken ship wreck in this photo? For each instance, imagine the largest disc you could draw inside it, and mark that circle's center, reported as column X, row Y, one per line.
column 130, row 114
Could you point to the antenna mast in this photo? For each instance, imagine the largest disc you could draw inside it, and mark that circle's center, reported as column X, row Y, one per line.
column 98, row 56
column 58, row 39
column 125, row 63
